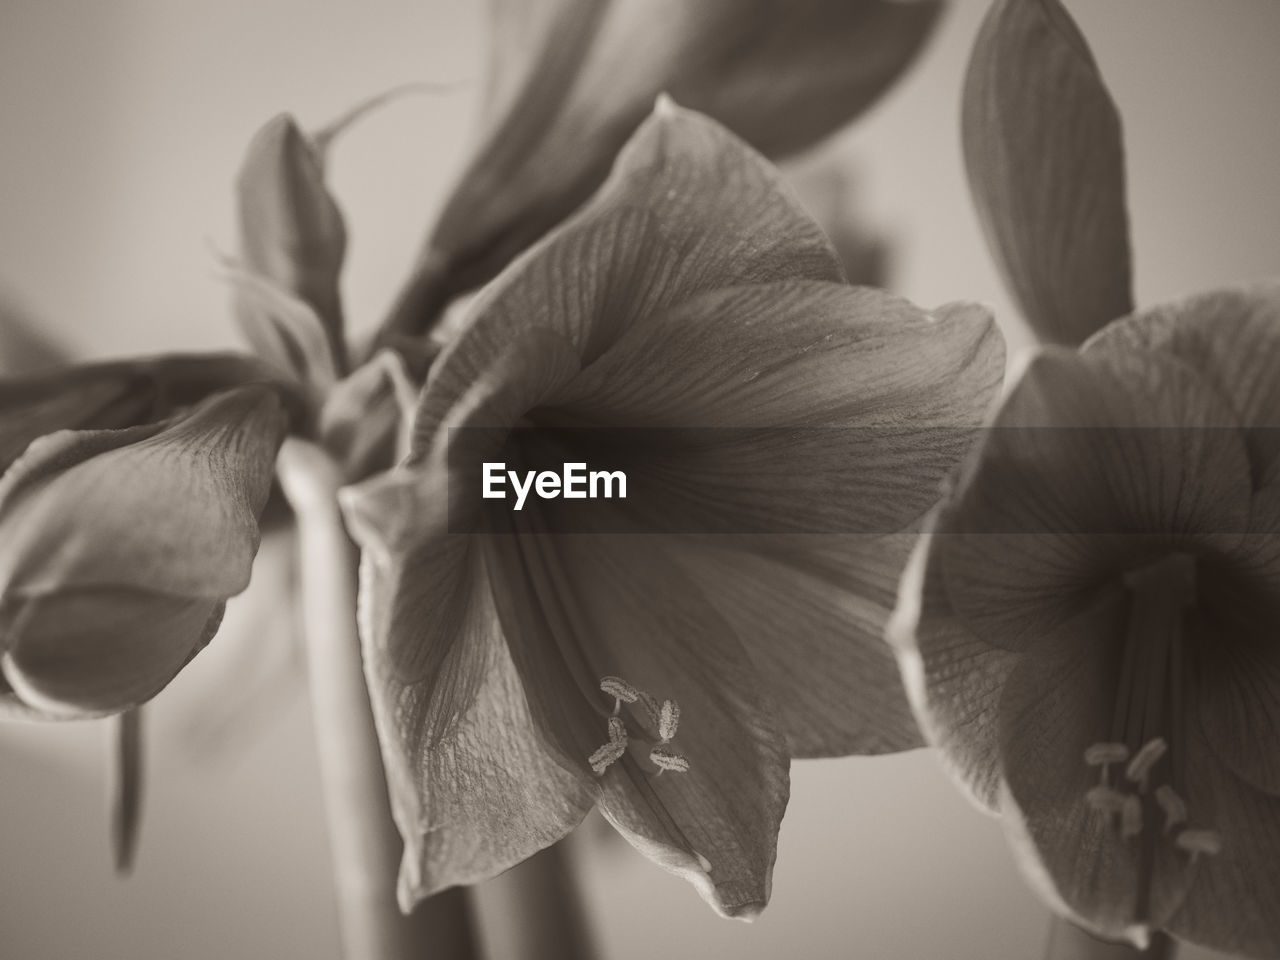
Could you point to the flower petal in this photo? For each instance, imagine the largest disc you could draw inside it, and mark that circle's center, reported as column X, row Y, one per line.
column 577, row 609
column 1057, row 702
column 836, row 409
column 1232, row 339
column 1045, row 156
column 1238, row 698
column 812, row 621
column 1092, row 462
column 1230, row 904
column 122, row 545
column 953, row 678
column 687, row 207
column 93, row 650
column 165, row 508
column 473, row 790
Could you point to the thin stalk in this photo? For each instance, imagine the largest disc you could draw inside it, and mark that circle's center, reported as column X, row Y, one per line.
column 365, row 846
column 125, row 790
column 534, row 911
column 1068, row 942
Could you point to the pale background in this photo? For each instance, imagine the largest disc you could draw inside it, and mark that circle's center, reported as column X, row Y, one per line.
column 121, row 126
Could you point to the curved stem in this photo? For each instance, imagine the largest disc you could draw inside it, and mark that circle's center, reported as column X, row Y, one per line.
column 365, row 846
column 1068, row 942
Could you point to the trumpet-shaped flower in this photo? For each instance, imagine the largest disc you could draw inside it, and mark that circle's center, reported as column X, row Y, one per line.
column 127, row 521
column 524, row 667
column 1087, row 630
column 571, row 80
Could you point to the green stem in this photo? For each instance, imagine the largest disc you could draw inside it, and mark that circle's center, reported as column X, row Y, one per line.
column 1068, row 942
column 365, row 845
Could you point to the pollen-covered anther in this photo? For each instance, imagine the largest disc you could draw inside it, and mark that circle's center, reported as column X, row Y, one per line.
column 610, row 753
column 668, row 720
column 1175, row 809
column 617, row 731
column 666, row 760
column 621, row 691
column 1196, row 842
column 1105, row 799
column 1139, row 769
column 1131, row 817
column 1104, row 755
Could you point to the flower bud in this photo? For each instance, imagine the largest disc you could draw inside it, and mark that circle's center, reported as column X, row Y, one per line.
column 121, row 547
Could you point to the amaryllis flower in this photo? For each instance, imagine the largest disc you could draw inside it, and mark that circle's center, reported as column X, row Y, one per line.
column 128, row 515
column 524, row 667
column 571, row 80
column 1088, row 631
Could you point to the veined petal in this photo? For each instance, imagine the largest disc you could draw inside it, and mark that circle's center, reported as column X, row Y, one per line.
column 1091, row 462
column 1045, row 157
column 1057, row 702
column 953, row 678
column 578, row 608
column 643, row 241
column 835, row 409
column 122, row 545
column 168, row 508
column 1237, row 701
column 811, row 616
column 473, row 789
column 1228, row 907
column 1232, row 339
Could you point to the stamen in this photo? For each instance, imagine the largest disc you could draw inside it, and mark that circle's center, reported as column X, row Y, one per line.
column 1131, row 817
column 1104, row 753
column 666, row 760
column 617, row 731
column 621, row 691
column 606, row 755
column 1196, row 842
column 1175, row 809
column 668, row 720
column 1105, row 799
column 1139, row 769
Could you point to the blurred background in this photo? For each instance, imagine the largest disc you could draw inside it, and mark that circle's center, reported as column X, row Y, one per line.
column 122, row 125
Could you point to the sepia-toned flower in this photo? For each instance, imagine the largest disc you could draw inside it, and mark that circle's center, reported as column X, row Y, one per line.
column 524, row 669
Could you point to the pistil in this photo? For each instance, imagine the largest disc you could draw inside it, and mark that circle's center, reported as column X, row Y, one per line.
column 1144, row 804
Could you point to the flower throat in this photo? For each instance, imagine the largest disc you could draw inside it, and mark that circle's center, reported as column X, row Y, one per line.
column 1144, row 800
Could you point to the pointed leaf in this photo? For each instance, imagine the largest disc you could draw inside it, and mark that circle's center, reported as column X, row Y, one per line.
column 1045, row 157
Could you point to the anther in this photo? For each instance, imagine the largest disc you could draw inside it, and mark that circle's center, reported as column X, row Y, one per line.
column 1175, row 810
column 666, row 760
column 609, row 753
column 621, row 691
column 1131, row 817
column 1105, row 800
column 617, row 731
column 1104, row 753
column 1196, row 842
column 668, row 720
column 1139, row 769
